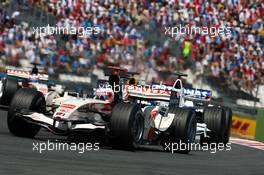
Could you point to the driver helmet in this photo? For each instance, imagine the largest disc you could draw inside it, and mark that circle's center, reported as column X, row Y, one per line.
column 105, row 94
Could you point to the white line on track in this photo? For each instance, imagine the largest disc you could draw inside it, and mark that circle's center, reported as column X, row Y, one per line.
column 248, row 143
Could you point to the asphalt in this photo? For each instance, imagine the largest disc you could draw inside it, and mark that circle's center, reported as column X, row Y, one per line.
column 18, row 157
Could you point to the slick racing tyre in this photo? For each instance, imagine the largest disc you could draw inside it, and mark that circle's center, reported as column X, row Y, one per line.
column 228, row 120
column 25, row 99
column 9, row 88
column 182, row 130
column 214, row 118
column 126, row 126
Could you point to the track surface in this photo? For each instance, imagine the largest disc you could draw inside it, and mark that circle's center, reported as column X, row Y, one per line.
column 17, row 157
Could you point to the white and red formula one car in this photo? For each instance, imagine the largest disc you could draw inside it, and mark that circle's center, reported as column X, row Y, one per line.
column 115, row 113
column 18, row 78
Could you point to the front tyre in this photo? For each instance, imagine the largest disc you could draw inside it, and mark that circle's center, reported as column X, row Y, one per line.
column 228, row 120
column 26, row 99
column 214, row 118
column 126, row 126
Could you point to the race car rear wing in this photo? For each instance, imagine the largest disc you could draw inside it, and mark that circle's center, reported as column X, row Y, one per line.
column 146, row 93
column 156, row 94
column 25, row 74
column 190, row 93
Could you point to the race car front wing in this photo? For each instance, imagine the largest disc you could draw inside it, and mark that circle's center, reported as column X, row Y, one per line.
column 55, row 125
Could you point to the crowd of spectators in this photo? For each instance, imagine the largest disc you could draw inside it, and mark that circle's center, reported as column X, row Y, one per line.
column 238, row 57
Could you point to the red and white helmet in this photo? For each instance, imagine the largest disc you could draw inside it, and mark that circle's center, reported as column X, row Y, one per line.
column 105, row 94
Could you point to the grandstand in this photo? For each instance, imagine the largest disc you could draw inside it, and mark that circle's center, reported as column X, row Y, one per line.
column 132, row 35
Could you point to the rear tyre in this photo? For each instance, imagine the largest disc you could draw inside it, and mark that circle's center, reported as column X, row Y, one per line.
column 9, row 88
column 214, row 118
column 126, row 126
column 182, row 130
column 228, row 120
column 26, row 99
